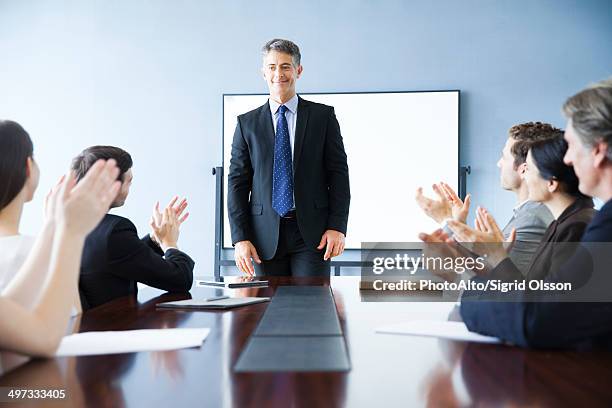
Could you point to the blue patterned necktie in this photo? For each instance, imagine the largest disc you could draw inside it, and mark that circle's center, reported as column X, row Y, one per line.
column 282, row 175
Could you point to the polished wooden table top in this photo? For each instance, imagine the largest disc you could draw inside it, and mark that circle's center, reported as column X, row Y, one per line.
column 387, row 370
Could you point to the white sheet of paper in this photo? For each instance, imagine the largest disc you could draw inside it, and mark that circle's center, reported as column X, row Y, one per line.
column 434, row 328
column 130, row 341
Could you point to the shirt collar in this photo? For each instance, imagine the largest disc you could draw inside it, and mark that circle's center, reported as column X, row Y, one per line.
column 518, row 207
column 291, row 105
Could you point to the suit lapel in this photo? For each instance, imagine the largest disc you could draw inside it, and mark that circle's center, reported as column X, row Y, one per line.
column 300, row 130
column 267, row 127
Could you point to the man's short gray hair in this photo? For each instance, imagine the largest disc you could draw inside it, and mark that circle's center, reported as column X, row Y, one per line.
column 591, row 113
column 286, row 46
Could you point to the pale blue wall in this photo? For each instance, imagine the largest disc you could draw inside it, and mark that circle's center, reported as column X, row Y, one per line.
column 148, row 75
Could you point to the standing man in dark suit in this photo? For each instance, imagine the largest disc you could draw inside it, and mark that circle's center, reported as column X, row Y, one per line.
column 288, row 183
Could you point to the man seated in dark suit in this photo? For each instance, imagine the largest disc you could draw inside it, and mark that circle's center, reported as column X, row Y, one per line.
column 115, row 258
column 545, row 319
column 288, row 188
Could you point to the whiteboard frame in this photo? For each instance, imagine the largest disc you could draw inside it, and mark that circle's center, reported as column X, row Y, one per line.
column 305, row 94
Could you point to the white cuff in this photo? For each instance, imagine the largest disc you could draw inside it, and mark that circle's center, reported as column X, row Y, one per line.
column 446, row 228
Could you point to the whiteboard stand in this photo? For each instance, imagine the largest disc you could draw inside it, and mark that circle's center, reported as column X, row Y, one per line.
column 218, row 173
column 463, row 173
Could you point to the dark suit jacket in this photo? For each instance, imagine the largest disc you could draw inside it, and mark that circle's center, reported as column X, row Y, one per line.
column 321, row 180
column 115, row 258
column 543, row 322
column 558, row 244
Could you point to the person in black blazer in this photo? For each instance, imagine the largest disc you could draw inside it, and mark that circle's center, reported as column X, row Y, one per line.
column 556, row 320
column 554, row 184
column 288, row 183
column 115, row 258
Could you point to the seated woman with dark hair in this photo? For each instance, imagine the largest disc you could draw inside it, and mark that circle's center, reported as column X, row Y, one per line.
column 553, row 183
column 36, row 301
column 19, row 176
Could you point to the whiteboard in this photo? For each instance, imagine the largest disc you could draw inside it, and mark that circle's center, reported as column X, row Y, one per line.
column 394, row 142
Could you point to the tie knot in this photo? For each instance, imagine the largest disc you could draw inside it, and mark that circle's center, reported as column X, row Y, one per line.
column 282, row 109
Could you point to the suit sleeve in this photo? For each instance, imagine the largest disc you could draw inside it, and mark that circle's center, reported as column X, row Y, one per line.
column 337, row 177
column 239, row 182
column 506, row 271
column 151, row 244
column 131, row 258
column 569, row 240
column 540, row 319
column 563, row 248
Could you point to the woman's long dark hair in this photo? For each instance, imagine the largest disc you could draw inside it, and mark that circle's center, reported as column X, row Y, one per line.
column 15, row 148
column 548, row 157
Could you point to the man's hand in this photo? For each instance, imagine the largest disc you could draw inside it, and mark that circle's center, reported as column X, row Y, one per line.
column 167, row 230
column 334, row 240
column 178, row 208
column 448, row 204
column 243, row 253
column 165, row 227
column 459, row 208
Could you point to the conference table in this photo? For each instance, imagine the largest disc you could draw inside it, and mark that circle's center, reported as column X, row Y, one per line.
column 386, row 370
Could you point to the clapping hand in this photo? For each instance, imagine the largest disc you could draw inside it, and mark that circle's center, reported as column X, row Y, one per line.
column 165, row 226
column 78, row 208
column 178, row 209
column 487, row 238
column 485, row 222
column 459, row 208
column 448, row 205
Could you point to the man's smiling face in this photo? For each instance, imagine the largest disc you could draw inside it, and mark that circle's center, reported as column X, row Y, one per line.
column 280, row 74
